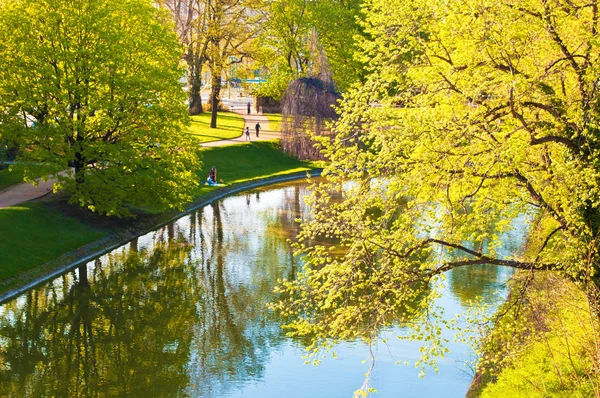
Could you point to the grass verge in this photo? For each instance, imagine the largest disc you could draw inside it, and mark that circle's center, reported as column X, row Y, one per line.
column 229, row 125
column 274, row 121
column 37, row 232
column 33, row 233
column 8, row 178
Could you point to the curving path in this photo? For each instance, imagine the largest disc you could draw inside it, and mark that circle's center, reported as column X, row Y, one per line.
column 25, row 192
column 249, row 121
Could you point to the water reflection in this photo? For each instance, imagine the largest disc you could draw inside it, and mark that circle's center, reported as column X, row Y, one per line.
column 110, row 329
column 182, row 311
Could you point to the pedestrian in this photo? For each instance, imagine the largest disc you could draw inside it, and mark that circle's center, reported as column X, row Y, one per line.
column 249, row 106
column 257, row 127
column 247, row 133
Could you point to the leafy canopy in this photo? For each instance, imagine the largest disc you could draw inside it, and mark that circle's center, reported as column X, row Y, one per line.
column 93, row 87
column 294, row 32
column 473, row 113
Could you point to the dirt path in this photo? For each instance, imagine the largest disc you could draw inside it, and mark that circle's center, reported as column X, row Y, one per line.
column 25, row 192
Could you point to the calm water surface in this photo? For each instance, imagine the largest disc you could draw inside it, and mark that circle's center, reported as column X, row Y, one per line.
column 182, row 311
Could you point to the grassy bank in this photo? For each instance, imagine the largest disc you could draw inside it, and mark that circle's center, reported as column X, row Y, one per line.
column 229, row 125
column 239, row 163
column 37, row 232
column 544, row 346
column 8, row 178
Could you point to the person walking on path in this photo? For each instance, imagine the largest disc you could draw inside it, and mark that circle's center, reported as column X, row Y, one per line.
column 257, row 127
column 247, row 133
column 249, row 107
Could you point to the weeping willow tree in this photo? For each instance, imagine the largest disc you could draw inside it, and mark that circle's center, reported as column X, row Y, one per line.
column 308, row 106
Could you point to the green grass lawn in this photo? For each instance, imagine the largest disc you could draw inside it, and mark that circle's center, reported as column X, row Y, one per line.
column 244, row 162
column 33, row 233
column 274, row 121
column 36, row 232
column 8, row 178
column 229, row 125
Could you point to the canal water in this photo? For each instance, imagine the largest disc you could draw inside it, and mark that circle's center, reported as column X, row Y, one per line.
column 182, row 312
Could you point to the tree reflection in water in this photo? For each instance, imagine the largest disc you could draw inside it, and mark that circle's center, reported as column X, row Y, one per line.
column 119, row 328
column 178, row 312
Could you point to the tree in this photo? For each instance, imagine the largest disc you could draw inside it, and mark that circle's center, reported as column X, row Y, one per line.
column 473, row 114
column 94, row 86
column 294, row 29
column 231, row 27
column 337, row 23
column 191, row 19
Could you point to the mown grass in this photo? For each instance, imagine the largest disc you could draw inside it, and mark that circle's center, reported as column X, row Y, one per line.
column 33, row 233
column 229, row 125
column 36, row 232
column 244, row 162
column 8, row 178
column 275, row 120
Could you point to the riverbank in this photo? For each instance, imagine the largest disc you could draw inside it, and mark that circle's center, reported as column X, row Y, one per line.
column 241, row 167
column 545, row 344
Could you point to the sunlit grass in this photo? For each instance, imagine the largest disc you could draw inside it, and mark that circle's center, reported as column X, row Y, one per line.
column 244, row 162
column 275, row 120
column 8, row 178
column 33, row 233
column 229, row 125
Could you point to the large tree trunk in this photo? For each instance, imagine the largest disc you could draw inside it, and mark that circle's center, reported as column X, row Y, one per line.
column 79, row 168
column 215, row 95
column 195, row 85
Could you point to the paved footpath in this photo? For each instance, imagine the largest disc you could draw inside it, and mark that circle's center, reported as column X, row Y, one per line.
column 25, row 192
column 249, row 121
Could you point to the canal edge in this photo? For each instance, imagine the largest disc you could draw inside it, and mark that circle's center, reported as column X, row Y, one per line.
column 86, row 253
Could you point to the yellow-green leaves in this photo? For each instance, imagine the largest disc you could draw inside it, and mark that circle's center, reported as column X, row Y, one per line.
column 475, row 116
column 93, row 87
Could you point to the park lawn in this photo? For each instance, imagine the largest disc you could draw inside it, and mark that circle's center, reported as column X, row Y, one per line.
column 229, row 125
column 249, row 161
column 8, row 178
column 274, row 121
column 33, row 233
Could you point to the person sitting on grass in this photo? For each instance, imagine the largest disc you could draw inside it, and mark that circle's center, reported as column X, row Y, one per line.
column 212, row 176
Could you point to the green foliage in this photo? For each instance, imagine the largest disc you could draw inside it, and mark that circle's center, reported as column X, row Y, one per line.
column 230, row 126
column 278, row 80
column 337, row 22
column 292, row 32
column 94, row 86
column 473, row 114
